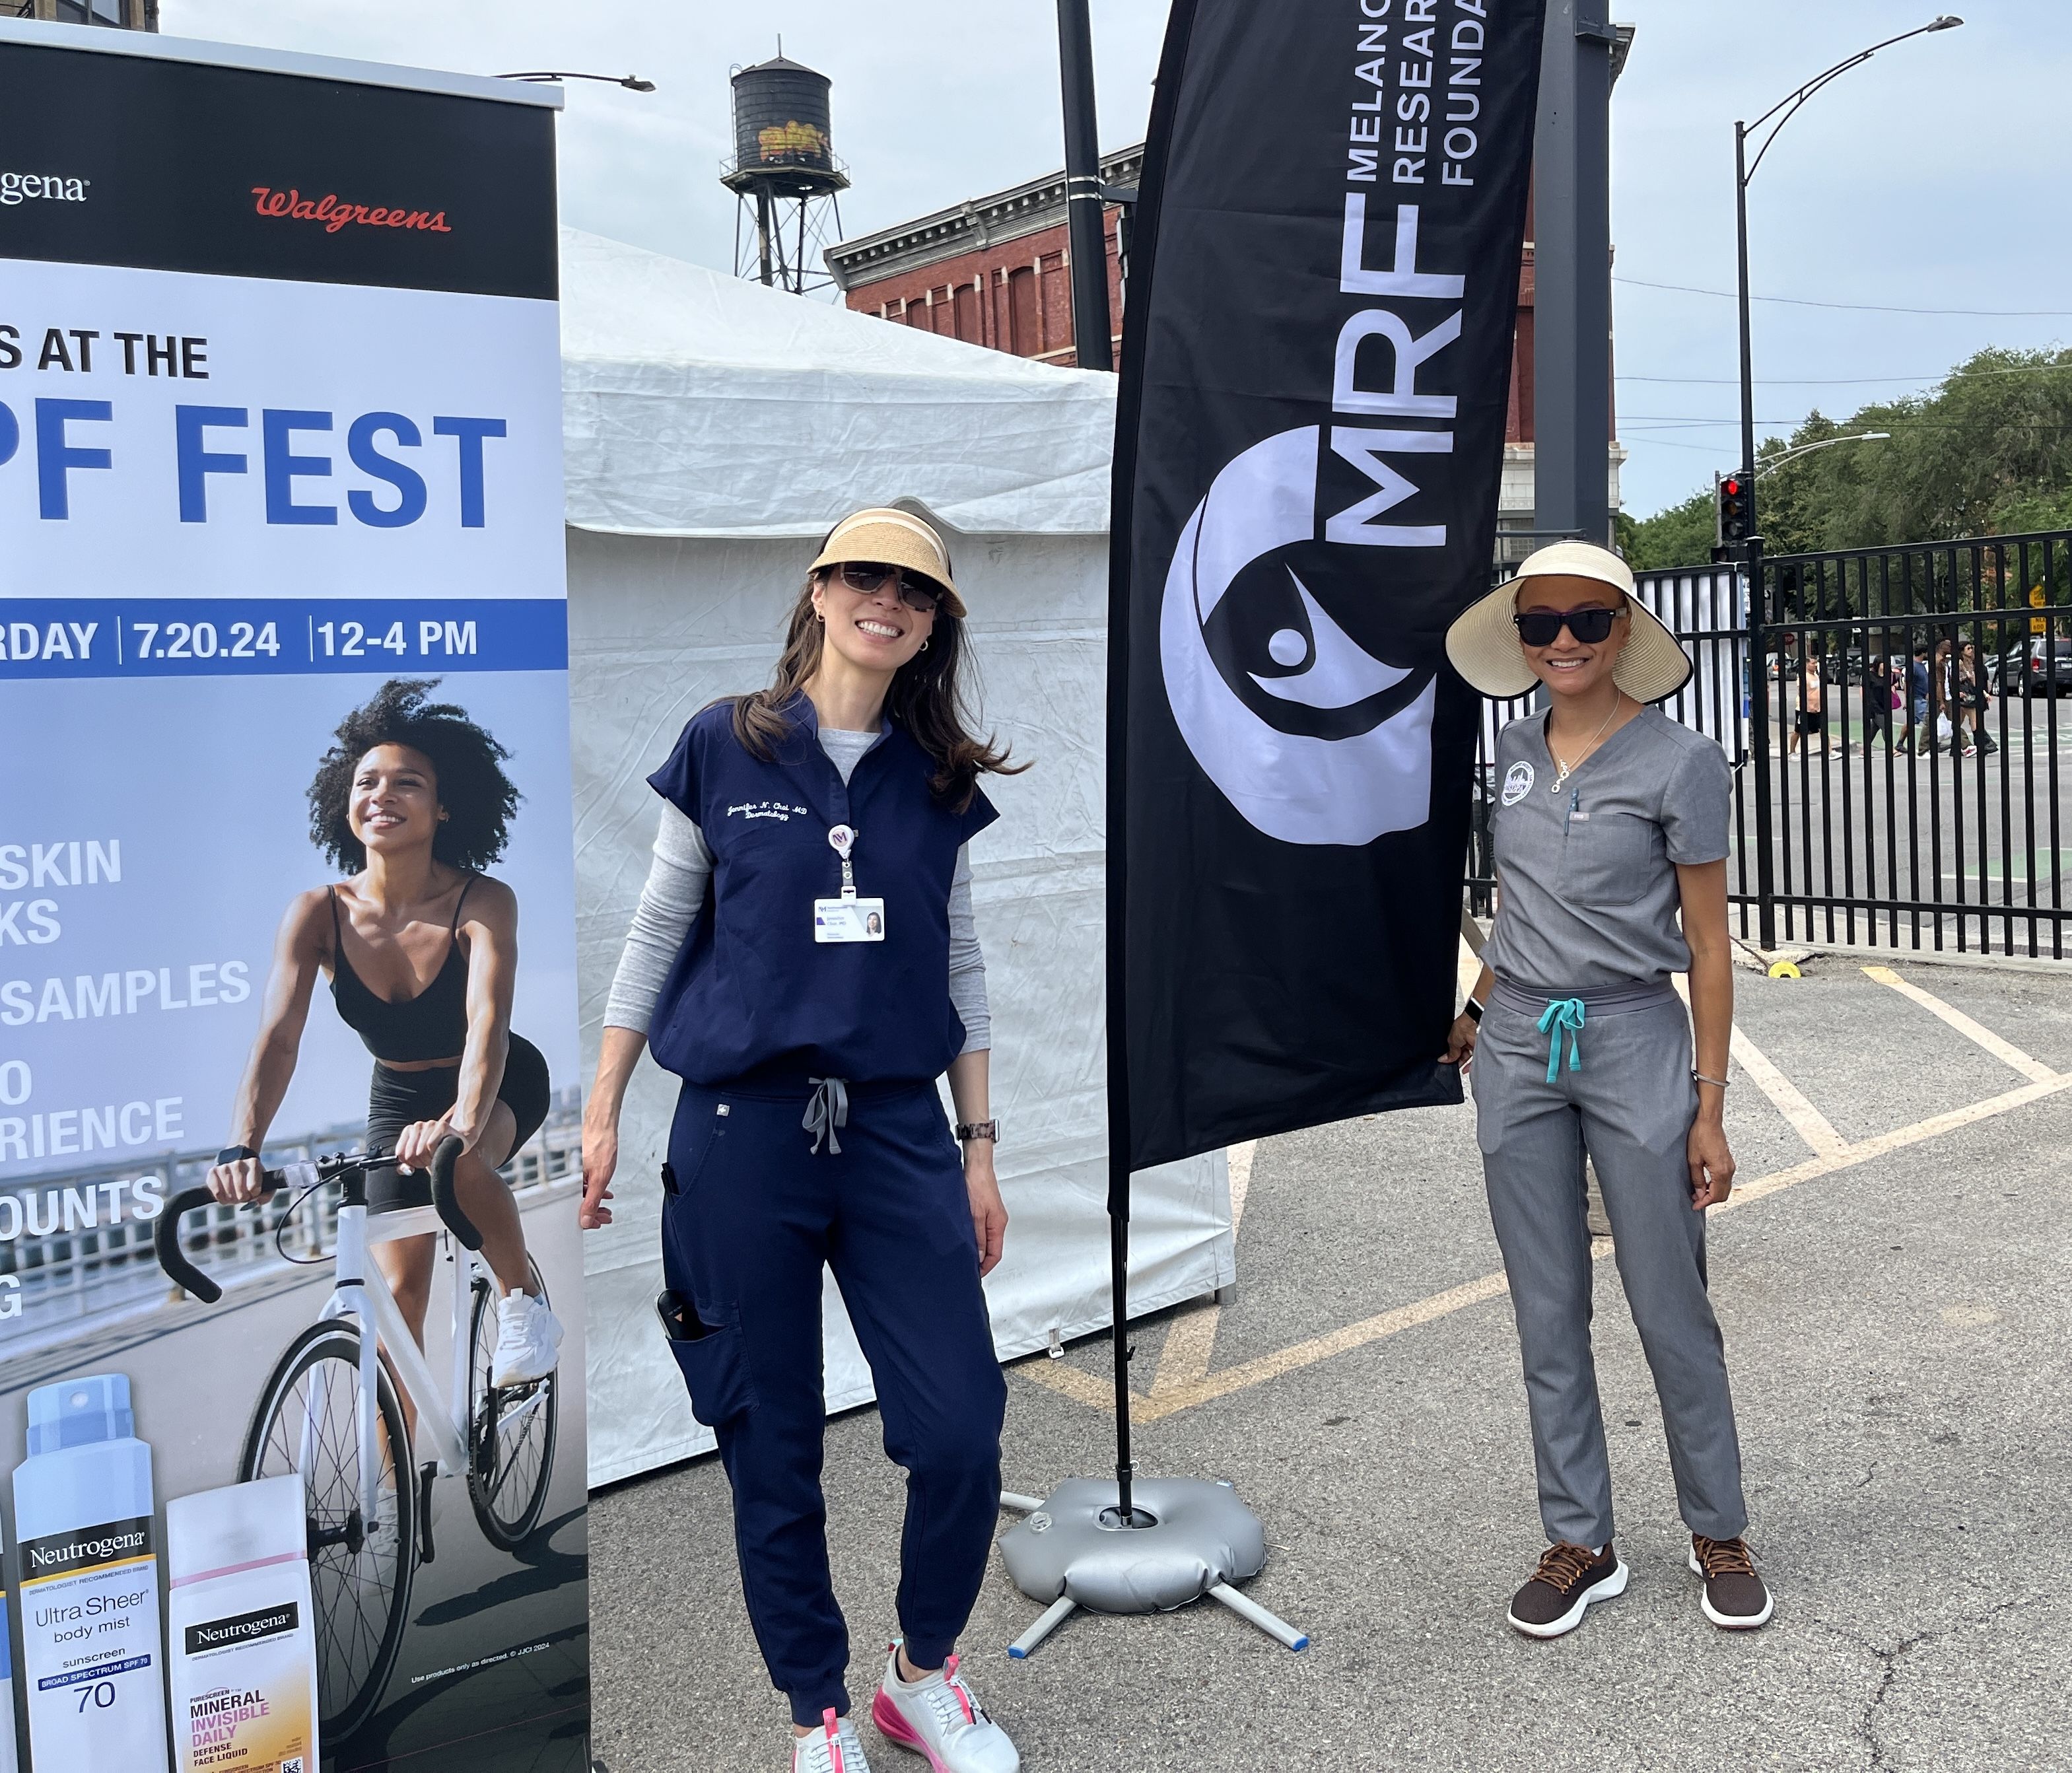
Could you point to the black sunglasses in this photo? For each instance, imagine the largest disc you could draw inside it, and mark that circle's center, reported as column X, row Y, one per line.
column 868, row 576
column 1539, row 627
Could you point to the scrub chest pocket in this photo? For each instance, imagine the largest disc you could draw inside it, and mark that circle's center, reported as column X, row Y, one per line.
column 1609, row 857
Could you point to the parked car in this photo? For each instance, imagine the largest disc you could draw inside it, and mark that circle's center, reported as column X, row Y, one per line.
column 1843, row 666
column 2042, row 666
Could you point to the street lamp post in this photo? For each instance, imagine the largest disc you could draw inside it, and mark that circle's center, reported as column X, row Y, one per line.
column 1744, row 170
column 1777, row 462
column 632, row 83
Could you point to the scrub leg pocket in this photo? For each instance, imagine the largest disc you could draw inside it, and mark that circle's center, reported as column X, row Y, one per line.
column 699, row 1315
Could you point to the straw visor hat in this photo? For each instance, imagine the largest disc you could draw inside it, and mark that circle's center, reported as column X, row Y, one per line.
column 1485, row 649
column 892, row 538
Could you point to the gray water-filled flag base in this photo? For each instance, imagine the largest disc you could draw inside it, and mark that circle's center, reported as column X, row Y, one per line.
column 1190, row 1538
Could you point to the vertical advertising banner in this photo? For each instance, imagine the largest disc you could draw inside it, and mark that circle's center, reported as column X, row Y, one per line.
column 286, row 893
column 1323, row 291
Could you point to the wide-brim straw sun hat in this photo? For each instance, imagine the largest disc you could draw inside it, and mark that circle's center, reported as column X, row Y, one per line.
column 1485, row 649
column 893, row 538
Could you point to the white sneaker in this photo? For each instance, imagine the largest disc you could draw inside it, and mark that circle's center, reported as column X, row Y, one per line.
column 529, row 1337
column 937, row 1716
column 833, row 1748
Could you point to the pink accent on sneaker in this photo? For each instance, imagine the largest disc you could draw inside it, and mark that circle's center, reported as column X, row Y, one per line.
column 833, row 1725
column 886, row 1715
column 957, row 1687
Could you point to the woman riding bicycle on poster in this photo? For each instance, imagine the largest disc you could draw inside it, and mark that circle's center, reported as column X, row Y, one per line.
column 411, row 802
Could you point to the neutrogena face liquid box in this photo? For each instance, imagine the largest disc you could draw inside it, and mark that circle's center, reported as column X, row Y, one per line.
column 92, row 1659
column 244, row 1644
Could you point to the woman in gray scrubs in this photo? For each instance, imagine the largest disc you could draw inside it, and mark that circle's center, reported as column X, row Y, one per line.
column 1611, row 836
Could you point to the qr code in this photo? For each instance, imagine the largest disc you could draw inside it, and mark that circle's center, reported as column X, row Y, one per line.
column 292, row 1764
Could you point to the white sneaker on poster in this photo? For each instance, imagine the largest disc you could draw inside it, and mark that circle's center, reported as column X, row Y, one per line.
column 528, row 1340
column 833, row 1748
column 939, row 1717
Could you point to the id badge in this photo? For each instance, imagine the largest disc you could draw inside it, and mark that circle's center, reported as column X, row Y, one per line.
column 849, row 920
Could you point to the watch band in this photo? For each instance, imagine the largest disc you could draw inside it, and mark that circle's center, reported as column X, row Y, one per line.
column 1472, row 1010
column 234, row 1154
column 968, row 1130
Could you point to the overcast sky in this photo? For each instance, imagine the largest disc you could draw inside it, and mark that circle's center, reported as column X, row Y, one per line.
column 1935, row 176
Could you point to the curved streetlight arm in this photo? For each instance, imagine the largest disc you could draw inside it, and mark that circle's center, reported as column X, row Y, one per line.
column 1794, row 100
column 1777, row 462
column 632, row 83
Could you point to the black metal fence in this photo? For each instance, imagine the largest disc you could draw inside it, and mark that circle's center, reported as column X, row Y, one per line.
column 1900, row 723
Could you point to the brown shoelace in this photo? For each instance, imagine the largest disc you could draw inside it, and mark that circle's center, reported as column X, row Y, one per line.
column 1723, row 1556
column 1562, row 1566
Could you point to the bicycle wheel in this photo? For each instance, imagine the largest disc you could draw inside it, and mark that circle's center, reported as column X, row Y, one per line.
column 306, row 1421
column 511, row 1433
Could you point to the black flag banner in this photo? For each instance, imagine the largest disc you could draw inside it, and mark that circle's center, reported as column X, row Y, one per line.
column 1322, row 295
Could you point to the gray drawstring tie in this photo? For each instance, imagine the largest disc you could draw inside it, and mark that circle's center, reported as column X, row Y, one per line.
column 826, row 1109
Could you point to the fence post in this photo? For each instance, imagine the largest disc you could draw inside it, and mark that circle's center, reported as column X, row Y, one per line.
column 1766, row 879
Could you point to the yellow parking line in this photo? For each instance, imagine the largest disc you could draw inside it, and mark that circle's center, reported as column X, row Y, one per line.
column 1169, row 1400
column 2034, row 1070
column 1807, row 1121
column 1191, row 1342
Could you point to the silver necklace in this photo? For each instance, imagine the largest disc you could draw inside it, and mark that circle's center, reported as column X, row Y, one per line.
column 1563, row 771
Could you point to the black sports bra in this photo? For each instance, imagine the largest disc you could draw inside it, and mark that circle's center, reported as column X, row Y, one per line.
column 431, row 1024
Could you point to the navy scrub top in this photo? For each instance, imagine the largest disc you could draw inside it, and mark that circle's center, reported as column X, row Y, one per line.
column 753, row 996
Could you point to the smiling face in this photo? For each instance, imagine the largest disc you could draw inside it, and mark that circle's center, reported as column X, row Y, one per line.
column 1568, row 667
column 872, row 630
column 394, row 806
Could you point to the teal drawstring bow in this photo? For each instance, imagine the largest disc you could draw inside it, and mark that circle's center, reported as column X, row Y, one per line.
column 1562, row 1012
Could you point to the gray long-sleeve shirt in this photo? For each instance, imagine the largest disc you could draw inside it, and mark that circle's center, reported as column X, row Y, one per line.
column 681, row 875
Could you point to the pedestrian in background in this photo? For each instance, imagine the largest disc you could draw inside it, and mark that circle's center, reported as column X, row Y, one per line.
column 1611, row 846
column 1878, row 701
column 1975, row 697
column 1812, row 722
column 1920, row 732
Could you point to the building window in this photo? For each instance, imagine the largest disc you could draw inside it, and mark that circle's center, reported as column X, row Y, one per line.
column 1025, row 335
column 967, row 314
column 90, row 12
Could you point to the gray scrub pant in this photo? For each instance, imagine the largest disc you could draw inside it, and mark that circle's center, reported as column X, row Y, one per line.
column 1630, row 1105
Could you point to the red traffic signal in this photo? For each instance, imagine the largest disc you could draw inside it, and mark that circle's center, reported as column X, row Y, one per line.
column 1733, row 510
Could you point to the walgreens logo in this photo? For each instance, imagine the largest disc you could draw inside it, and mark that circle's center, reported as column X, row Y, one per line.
column 335, row 215
column 17, row 188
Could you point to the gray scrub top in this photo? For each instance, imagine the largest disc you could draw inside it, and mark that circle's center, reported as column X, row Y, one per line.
column 1588, row 878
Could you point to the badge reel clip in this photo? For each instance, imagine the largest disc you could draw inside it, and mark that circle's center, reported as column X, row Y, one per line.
column 847, row 918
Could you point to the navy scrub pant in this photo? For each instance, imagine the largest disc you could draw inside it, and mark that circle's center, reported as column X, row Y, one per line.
column 751, row 1214
column 1628, row 1104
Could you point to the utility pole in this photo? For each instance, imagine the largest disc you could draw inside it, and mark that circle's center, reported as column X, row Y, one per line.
column 1084, row 202
column 1572, row 323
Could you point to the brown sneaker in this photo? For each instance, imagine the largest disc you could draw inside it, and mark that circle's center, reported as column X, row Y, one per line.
column 1733, row 1597
column 1569, row 1577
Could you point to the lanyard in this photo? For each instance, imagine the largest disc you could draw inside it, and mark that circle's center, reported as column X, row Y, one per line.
column 841, row 838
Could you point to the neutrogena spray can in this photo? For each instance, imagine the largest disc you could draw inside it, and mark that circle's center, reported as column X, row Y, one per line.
column 244, row 1644
column 93, row 1657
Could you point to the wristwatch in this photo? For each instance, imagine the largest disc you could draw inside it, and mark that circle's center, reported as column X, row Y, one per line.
column 234, row 1154
column 968, row 1130
column 1472, row 1010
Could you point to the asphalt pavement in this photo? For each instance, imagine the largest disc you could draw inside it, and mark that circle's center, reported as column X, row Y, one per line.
column 1893, row 1280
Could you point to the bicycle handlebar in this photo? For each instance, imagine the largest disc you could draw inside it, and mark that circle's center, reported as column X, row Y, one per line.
column 166, row 1237
column 451, row 1213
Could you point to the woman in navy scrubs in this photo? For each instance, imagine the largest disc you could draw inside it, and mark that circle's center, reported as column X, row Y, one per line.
column 802, row 958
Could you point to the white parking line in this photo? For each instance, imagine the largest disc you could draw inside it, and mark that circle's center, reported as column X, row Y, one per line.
column 2008, row 1054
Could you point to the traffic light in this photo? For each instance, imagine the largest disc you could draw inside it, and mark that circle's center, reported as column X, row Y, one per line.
column 1734, row 499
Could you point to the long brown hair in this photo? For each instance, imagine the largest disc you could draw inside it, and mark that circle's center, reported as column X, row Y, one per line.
column 927, row 699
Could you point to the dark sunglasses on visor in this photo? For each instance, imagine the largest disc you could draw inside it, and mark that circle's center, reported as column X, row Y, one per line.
column 1538, row 627
column 868, row 576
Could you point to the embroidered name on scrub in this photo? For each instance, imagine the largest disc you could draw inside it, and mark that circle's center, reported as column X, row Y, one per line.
column 848, row 918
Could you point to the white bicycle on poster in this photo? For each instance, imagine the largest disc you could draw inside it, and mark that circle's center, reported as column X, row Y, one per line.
column 331, row 1410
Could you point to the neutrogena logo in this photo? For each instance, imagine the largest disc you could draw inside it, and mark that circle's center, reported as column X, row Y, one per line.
column 17, row 188
column 291, row 205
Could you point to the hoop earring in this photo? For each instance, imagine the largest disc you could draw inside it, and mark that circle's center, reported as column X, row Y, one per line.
column 924, row 646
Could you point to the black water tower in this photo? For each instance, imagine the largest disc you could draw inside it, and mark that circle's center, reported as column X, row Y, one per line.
column 785, row 172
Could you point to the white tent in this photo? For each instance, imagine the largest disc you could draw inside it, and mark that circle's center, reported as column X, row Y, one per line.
column 715, row 430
